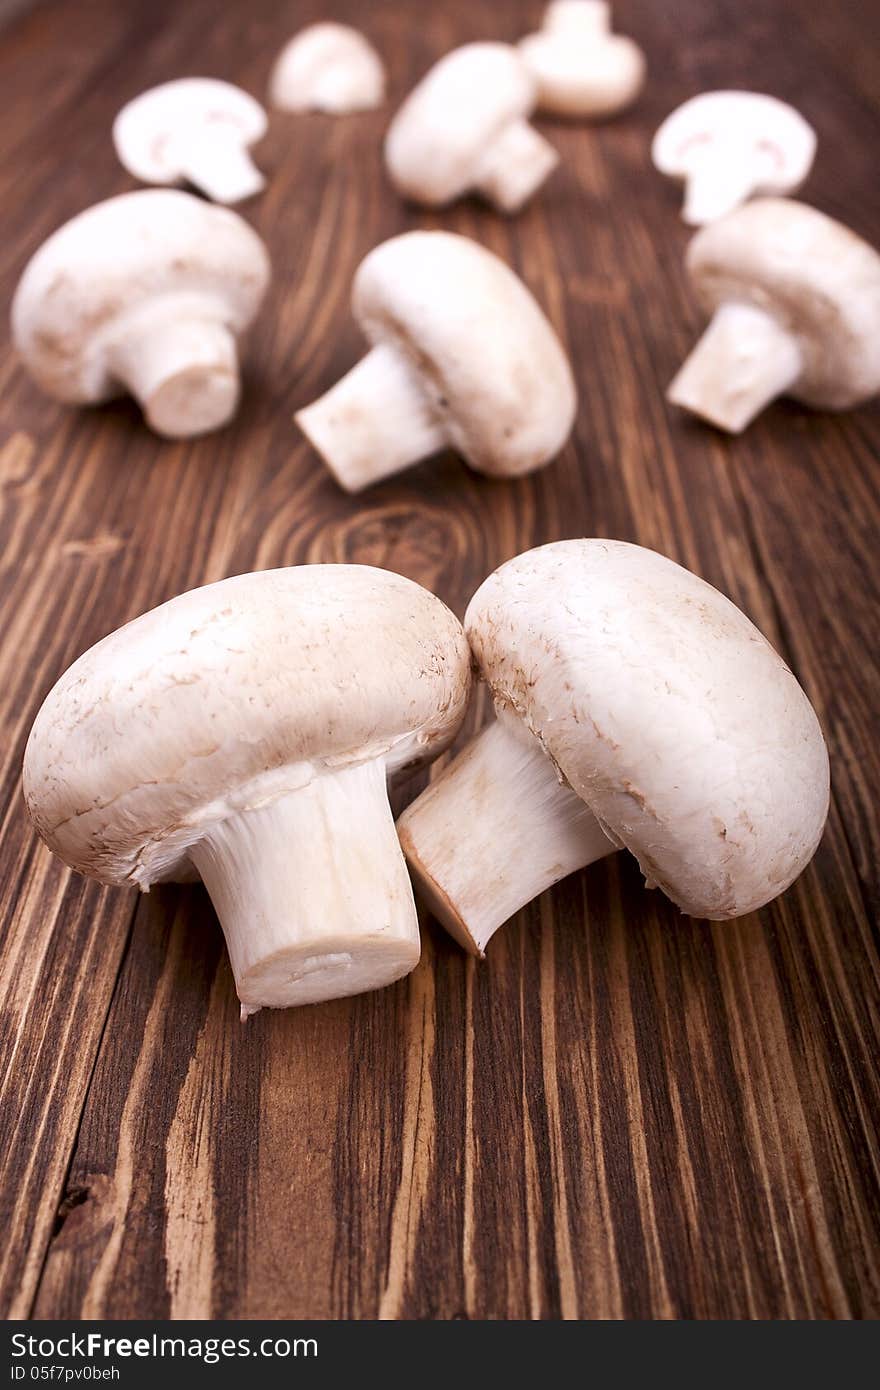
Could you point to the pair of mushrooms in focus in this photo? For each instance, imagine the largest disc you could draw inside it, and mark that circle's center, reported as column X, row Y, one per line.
column 245, row 733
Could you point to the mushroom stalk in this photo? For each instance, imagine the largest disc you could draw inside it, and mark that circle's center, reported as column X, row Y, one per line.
column 181, row 364
column 526, row 830
column 718, row 184
column 515, row 164
column 744, row 360
column 221, row 168
column 312, row 892
column 375, row 422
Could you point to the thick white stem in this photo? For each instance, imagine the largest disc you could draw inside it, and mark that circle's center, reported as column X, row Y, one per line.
column 719, row 182
column 220, row 167
column 375, row 422
column 183, row 368
column 744, row 360
column 578, row 18
column 495, row 830
column 312, row 892
column 514, row 165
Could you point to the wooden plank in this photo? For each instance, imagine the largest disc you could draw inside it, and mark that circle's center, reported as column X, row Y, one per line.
column 621, row 1112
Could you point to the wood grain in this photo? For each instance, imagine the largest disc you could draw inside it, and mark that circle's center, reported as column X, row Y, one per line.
column 621, row 1113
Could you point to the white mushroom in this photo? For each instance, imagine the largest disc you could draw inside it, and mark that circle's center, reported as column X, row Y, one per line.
column 145, row 293
column 465, row 128
column 636, row 708
column 795, row 299
column 726, row 146
column 246, row 731
column 581, row 68
column 461, row 355
column 328, row 67
column 195, row 130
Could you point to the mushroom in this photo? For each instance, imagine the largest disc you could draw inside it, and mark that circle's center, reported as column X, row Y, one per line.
column 636, row 708
column 460, row 355
column 245, row 732
column 328, row 67
column 197, row 130
column 728, row 145
column 581, row 68
column 795, row 299
column 464, row 128
column 144, row 293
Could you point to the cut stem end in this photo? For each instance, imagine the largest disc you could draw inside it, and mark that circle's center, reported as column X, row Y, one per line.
column 494, row 831
column 515, row 165
column 744, row 360
column 373, row 423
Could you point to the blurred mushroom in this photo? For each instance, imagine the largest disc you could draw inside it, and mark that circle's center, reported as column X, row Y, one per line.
column 145, row 293
column 195, row 130
column 246, row 731
column 728, row 145
column 461, row 355
column 465, row 128
column 637, row 708
column 581, row 68
column 795, row 305
column 328, row 67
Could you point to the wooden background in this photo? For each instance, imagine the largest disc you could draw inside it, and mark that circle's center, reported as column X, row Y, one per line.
column 621, row 1112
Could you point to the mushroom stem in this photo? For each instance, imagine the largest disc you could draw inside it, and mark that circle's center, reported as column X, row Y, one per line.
column 181, row 365
column 375, row 422
column 718, row 184
column 744, row 360
column 222, row 169
column 312, row 892
column 516, row 163
column 496, row 829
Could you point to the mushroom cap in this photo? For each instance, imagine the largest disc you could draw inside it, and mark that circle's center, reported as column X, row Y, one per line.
column 784, row 143
column 328, row 67
column 665, row 710
column 440, row 135
column 126, row 254
column 493, row 368
column 229, row 696
column 814, row 275
column 146, row 128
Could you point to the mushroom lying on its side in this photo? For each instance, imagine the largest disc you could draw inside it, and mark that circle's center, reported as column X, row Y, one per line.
column 726, row 146
column 148, row 293
column 636, row 708
column 195, row 130
column 461, row 355
column 465, row 128
column 581, row 68
column 328, row 67
column 795, row 299
column 246, row 731
column 145, row 293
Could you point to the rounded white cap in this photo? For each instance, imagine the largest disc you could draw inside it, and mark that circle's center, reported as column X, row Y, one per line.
column 228, row 697
column 438, row 140
column 328, row 67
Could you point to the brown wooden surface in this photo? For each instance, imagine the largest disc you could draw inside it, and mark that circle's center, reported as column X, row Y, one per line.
column 621, row 1112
